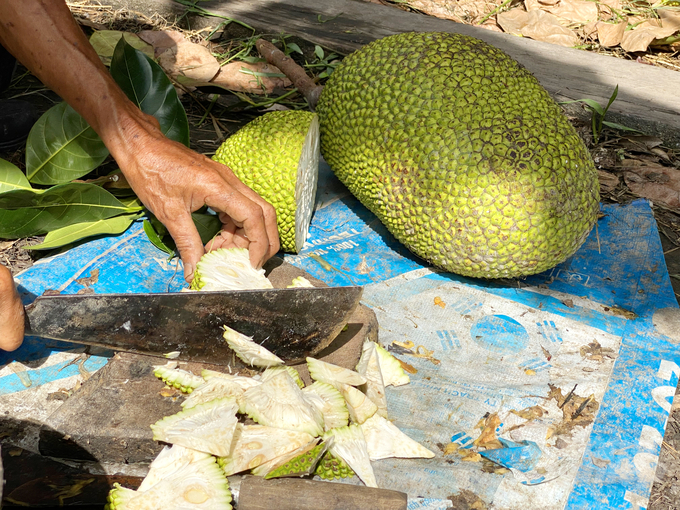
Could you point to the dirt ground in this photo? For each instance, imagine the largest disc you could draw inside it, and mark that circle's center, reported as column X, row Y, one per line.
column 666, row 490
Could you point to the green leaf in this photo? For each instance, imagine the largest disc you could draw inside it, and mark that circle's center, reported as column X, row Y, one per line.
column 62, row 147
column 318, row 51
column 146, row 84
column 208, row 225
column 155, row 239
column 72, row 233
column 11, row 177
column 104, row 42
column 292, row 47
column 620, row 127
column 25, row 213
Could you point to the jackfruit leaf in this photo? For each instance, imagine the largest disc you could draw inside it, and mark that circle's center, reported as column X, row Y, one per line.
column 147, row 85
column 78, row 231
column 25, row 213
column 11, row 177
column 208, row 225
column 61, row 147
column 104, row 42
column 155, row 239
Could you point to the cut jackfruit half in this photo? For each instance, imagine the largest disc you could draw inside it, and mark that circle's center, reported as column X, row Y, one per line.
column 384, row 440
column 350, row 445
column 330, row 402
column 228, row 269
column 277, row 155
column 279, row 402
column 333, row 374
column 248, row 351
column 256, row 444
column 183, row 380
column 206, row 427
column 200, row 485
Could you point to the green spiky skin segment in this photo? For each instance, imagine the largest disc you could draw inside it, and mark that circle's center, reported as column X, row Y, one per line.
column 266, row 155
column 461, row 154
column 183, row 380
column 300, row 465
column 331, row 467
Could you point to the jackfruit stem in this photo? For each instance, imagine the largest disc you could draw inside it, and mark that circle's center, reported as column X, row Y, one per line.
column 292, row 70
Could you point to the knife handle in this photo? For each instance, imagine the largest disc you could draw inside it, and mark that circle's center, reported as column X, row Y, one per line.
column 256, row 493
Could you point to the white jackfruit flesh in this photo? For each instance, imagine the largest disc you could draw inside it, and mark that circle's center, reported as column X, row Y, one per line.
column 300, row 281
column 213, row 389
column 206, row 427
column 369, row 367
column 350, row 445
column 255, row 444
column 242, row 380
column 279, row 402
column 228, row 269
column 392, row 371
column 272, row 371
column 269, row 466
column 200, row 485
column 330, row 402
column 333, row 374
column 248, row 351
column 384, row 440
column 169, row 460
column 360, row 407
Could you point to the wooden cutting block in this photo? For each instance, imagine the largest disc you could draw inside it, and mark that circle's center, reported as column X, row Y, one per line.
column 108, row 419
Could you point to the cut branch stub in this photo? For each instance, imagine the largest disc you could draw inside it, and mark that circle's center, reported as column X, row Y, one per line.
column 292, row 70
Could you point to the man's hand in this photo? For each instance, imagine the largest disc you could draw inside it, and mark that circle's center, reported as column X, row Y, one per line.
column 11, row 313
column 173, row 181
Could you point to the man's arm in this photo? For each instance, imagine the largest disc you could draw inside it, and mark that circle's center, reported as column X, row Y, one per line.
column 11, row 313
column 171, row 180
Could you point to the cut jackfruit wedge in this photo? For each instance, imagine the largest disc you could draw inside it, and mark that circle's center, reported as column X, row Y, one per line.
column 331, row 467
column 279, row 402
column 248, row 351
column 333, row 374
column 243, row 381
column 255, row 444
column 200, row 485
column 206, row 427
column 277, row 155
column 349, row 444
column 213, row 389
column 392, row 371
column 183, row 380
column 384, row 440
column 330, row 402
column 272, row 371
column 300, row 281
column 169, row 460
column 228, row 269
column 287, row 463
column 369, row 367
column 360, row 407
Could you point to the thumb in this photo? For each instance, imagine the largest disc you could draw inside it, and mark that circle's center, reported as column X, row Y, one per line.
column 188, row 242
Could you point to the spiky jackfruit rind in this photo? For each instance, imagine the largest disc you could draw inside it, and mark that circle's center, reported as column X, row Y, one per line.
column 277, row 155
column 183, row 380
column 300, row 465
column 279, row 402
column 331, row 467
column 207, row 427
column 248, row 351
column 460, row 153
column 228, row 269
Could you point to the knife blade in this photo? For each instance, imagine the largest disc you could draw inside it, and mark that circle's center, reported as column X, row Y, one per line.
column 292, row 323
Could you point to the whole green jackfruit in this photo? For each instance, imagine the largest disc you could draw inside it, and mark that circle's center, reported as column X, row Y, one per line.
column 277, row 155
column 461, row 154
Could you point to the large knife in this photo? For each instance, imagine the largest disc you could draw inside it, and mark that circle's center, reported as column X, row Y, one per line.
column 292, row 323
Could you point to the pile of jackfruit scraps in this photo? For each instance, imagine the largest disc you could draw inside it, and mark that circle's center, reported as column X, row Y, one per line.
column 333, row 428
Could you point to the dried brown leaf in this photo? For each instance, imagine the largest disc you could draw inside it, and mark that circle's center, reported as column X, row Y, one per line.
column 642, row 35
column 653, row 181
column 567, row 11
column 161, row 40
column 191, row 60
column 460, row 11
column 610, row 35
column 543, row 26
column 608, row 181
